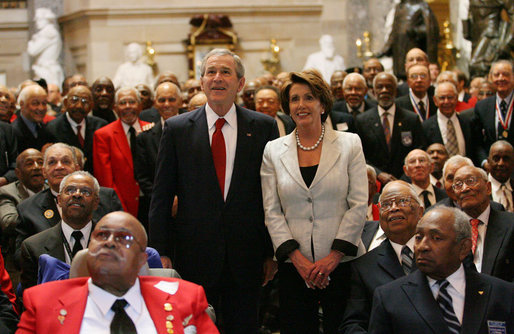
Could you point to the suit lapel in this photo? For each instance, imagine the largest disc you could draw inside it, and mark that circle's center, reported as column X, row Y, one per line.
column 157, row 302
column 54, row 243
column 375, row 124
column 418, row 292
column 121, row 141
column 388, row 260
column 475, row 303
column 289, row 159
column 396, row 139
column 329, row 155
column 22, row 192
column 68, row 132
column 437, row 133
column 74, row 306
column 493, row 242
column 490, row 117
column 49, row 209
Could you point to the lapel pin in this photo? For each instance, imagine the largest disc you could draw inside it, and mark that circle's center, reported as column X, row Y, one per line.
column 169, row 324
column 62, row 316
column 168, row 307
column 170, row 317
column 49, row 214
column 480, row 292
column 399, row 123
column 248, row 134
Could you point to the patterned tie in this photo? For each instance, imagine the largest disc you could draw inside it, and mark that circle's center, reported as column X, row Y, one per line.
column 219, row 154
column 422, row 109
column 133, row 144
column 426, row 201
column 503, row 110
column 407, row 259
column 79, row 136
column 77, row 246
column 121, row 323
column 387, row 129
column 446, row 305
column 474, row 234
column 506, row 200
column 451, row 139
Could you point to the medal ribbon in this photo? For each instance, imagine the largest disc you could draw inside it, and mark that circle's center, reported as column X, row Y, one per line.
column 416, row 107
column 504, row 123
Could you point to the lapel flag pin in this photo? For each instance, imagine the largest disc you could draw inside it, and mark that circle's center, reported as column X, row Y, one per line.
column 480, row 292
column 49, row 214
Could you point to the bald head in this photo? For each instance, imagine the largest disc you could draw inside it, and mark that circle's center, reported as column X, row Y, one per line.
column 197, row 101
column 168, row 99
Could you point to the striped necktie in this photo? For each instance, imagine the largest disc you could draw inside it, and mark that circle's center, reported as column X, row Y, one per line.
column 446, row 305
column 407, row 259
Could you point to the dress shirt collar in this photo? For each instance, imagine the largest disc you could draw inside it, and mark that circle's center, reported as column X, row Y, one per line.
column 398, row 248
column 391, row 110
column 484, row 216
column 457, row 280
column 67, row 230
column 126, row 127
column 419, row 190
column 442, row 117
column 495, row 184
column 74, row 124
column 507, row 99
column 104, row 299
column 30, row 192
column 434, row 181
column 417, row 99
column 230, row 117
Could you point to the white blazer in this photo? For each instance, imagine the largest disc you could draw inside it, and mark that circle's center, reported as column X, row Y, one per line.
column 333, row 207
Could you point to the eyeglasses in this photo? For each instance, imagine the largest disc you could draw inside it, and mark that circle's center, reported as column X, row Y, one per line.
column 447, row 98
column 470, row 182
column 121, row 237
column 130, row 102
column 75, row 99
column 418, row 76
column 72, row 190
column 401, row 202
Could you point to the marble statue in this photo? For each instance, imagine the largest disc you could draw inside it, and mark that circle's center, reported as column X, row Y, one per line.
column 45, row 47
column 325, row 61
column 133, row 71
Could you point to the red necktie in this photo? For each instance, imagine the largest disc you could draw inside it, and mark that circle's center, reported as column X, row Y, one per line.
column 474, row 234
column 218, row 153
column 79, row 136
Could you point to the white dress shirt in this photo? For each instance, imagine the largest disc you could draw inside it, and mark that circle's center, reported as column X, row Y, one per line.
column 442, row 122
column 398, row 248
column 482, row 230
column 497, row 192
column 377, row 238
column 229, row 130
column 74, row 125
column 98, row 314
column 67, row 230
column 456, row 289
column 431, row 194
column 390, row 117
column 127, row 127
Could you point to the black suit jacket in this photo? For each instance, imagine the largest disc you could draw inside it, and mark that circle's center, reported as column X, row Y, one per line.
column 146, row 157
column 150, row 115
column 8, row 318
column 373, row 269
column 448, row 202
column 407, row 135
column 26, row 139
column 407, row 305
column 341, row 106
column 405, row 103
column 106, row 115
column 208, row 232
column 342, row 121
column 368, row 232
column 440, row 194
column 9, row 151
column 471, row 137
column 61, row 129
column 288, row 122
column 39, row 213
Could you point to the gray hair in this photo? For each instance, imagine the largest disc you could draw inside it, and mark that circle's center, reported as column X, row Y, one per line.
column 453, row 75
column 436, row 92
column 426, row 154
column 60, row 145
column 240, row 69
column 461, row 224
column 357, row 76
column 24, row 94
column 412, row 191
column 85, row 174
column 390, row 74
column 454, row 160
column 179, row 92
column 127, row 89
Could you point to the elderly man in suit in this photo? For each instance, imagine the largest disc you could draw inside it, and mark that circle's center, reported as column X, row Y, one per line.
column 210, row 159
column 501, row 166
column 388, row 133
column 354, row 92
column 29, row 170
column 267, row 101
column 400, row 211
column 103, row 97
column 443, row 296
column 115, row 297
column 78, row 198
column 75, row 127
column 418, row 168
column 114, row 149
column 370, row 69
column 40, row 212
column 492, row 230
column 418, row 100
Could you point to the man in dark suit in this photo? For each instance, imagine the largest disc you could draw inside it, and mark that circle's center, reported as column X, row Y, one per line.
column 78, row 198
column 417, row 100
column 501, row 166
column 493, row 230
column 28, row 128
column 443, row 296
column 40, row 212
column 75, row 127
column 267, row 101
column 402, row 128
column 456, row 132
column 489, row 110
column 336, row 86
column 219, row 236
column 9, row 147
column 103, row 97
column 418, row 168
column 400, row 212
column 415, row 56
column 438, row 155
column 370, row 69
column 354, row 91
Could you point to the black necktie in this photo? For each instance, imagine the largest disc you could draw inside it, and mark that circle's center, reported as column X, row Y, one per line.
column 425, row 199
column 422, row 110
column 446, row 304
column 132, row 132
column 355, row 112
column 407, row 260
column 121, row 323
column 77, row 235
column 503, row 110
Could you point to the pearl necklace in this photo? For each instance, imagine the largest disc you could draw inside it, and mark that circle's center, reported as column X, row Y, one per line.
column 313, row 147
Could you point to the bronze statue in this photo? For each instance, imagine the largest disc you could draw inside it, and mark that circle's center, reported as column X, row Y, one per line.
column 491, row 37
column 415, row 25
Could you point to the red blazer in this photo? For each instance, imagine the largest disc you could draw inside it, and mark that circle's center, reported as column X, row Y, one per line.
column 113, row 165
column 44, row 304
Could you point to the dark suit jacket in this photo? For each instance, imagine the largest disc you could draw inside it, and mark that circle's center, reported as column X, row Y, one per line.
column 405, row 103
column 288, row 122
column 342, row 121
column 146, row 157
column 61, row 129
column 208, row 232
column 368, row 232
column 471, row 137
column 440, row 194
column 8, row 150
column 407, row 135
column 107, row 115
column 150, row 115
column 341, row 106
column 26, row 139
column 448, row 202
column 8, row 318
column 407, row 305
column 373, row 269
column 39, row 213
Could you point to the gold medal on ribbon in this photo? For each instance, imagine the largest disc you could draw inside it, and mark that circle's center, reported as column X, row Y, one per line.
column 505, row 133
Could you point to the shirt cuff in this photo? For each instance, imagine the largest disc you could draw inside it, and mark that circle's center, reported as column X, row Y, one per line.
column 283, row 251
column 345, row 247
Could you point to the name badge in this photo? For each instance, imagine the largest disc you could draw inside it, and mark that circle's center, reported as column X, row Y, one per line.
column 406, row 138
column 496, row 327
